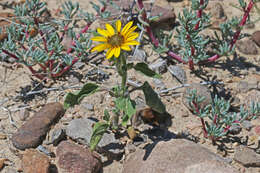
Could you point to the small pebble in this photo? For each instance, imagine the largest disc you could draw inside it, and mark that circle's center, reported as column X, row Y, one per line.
column 247, row 125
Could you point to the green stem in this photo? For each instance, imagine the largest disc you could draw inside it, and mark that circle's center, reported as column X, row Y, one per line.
column 124, row 73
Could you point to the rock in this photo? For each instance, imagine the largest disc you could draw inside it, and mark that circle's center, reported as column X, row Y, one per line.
column 81, row 130
column 10, row 170
column 159, row 84
column 165, row 20
column 139, row 55
column 2, row 163
column 74, row 158
column 202, row 91
column 256, row 37
column 45, row 151
column 35, row 162
column 87, row 106
column 24, row 114
column 245, row 86
column 56, row 136
column 247, row 47
column 97, row 75
column 178, row 73
column 217, row 11
column 160, row 66
column 73, row 79
column 33, row 132
column 247, row 125
column 175, row 156
column 79, row 65
column 6, row 17
column 218, row 14
column 246, row 156
column 257, row 130
column 235, row 129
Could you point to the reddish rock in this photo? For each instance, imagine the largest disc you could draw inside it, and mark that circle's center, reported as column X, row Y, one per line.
column 257, row 130
column 176, row 156
column 256, row 37
column 33, row 132
column 166, row 15
column 4, row 22
column 35, row 162
column 75, row 159
column 247, row 156
column 247, row 47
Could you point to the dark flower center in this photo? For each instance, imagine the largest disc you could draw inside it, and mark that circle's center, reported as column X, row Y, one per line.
column 116, row 40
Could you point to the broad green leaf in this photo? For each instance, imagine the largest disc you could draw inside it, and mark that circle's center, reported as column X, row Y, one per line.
column 127, row 106
column 152, row 99
column 72, row 99
column 143, row 68
column 98, row 131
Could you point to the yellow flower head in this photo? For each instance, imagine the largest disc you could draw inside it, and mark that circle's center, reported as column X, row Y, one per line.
column 115, row 40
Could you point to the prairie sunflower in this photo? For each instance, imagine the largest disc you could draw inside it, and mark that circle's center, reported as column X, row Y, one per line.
column 115, row 40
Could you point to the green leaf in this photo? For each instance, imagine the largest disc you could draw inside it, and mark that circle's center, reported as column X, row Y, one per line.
column 72, row 99
column 98, row 131
column 127, row 106
column 152, row 99
column 106, row 115
column 143, row 68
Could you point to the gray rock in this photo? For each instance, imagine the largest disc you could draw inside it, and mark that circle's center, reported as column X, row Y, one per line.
column 24, row 114
column 159, row 84
column 139, row 55
column 160, row 66
column 245, row 86
column 246, row 156
column 235, row 129
column 73, row 79
column 81, row 131
column 57, row 135
column 175, row 156
column 79, row 65
column 87, row 106
column 247, row 125
column 178, row 73
column 202, row 91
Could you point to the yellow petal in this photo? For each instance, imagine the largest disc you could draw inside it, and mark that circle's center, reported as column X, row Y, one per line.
column 110, row 53
column 110, row 29
column 117, row 52
column 100, row 47
column 126, row 28
column 132, row 36
column 118, row 25
column 125, row 47
column 133, row 42
column 130, row 31
column 103, row 32
column 98, row 38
